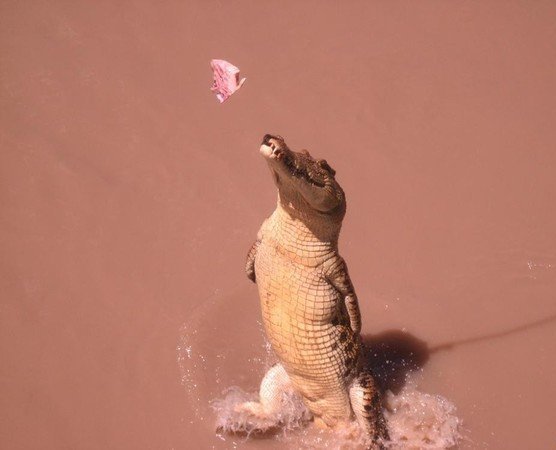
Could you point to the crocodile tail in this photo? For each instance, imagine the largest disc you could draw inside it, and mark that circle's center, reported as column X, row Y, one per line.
column 366, row 402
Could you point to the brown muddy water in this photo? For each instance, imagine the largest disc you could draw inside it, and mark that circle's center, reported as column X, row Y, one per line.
column 130, row 196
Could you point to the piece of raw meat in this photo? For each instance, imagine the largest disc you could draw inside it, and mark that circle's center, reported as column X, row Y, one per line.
column 226, row 79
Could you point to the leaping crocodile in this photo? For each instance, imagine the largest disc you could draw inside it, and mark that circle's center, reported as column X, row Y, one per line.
column 309, row 306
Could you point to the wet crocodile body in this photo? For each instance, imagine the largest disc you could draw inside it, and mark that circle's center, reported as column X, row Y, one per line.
column 309, row 306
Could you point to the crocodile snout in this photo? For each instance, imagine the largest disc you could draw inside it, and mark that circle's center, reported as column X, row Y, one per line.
column 273, row 147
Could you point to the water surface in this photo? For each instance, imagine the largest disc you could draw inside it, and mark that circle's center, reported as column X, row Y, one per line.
column 130, row 196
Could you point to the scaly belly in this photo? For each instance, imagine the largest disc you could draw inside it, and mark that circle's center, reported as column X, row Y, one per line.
column 309, row 331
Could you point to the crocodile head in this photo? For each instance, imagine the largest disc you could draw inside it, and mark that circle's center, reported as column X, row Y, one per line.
column 303, row 182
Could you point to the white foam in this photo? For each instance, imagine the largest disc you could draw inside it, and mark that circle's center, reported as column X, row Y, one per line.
column 292, row 414
column 417, row 420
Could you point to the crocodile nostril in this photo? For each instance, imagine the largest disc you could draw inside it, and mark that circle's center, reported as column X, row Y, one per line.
column 266, row 139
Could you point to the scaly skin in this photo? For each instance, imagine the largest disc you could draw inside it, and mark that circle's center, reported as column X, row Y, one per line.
column 309, row 306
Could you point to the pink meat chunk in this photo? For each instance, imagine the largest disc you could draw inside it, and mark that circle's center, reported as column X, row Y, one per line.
column 226, row 79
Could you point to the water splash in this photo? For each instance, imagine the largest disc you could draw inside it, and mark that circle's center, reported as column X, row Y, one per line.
column 208, row 366
column 292, row 414
column 418, row 420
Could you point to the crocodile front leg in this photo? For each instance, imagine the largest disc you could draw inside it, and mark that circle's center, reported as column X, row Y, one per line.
column 250, row 264
column 338, row 276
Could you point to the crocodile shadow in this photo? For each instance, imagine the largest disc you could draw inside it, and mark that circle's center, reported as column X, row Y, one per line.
column 393, row 354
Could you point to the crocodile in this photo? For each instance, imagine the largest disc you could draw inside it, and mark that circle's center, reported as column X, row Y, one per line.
column 309, row 307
